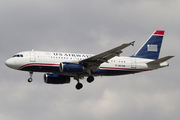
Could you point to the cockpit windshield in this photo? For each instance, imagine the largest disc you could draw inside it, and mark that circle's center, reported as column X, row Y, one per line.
column 18, row 55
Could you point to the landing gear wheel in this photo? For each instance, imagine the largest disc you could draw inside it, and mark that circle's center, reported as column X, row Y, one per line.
column 30, row 74
column 90, row 79
column 79, row 86
column 30, row 80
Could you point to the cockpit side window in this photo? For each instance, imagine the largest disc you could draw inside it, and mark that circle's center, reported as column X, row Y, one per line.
column 18, row 55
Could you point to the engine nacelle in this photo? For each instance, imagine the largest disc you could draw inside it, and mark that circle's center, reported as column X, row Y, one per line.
column 56, row 79
column 71, row 67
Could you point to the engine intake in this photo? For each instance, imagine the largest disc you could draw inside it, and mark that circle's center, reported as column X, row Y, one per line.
column 71, row 67
column 56, row 79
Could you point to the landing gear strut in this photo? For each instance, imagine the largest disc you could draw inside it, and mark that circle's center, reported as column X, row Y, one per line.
column 78, row 85
column 90, row 78
column 30, row 79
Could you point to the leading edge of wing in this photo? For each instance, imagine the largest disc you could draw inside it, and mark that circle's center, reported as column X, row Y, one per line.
column 105, row 56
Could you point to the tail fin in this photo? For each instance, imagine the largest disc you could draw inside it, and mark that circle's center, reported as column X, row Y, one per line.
column 151, row 48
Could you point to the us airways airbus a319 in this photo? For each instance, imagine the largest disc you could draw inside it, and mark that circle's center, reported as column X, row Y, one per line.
column 60, row 67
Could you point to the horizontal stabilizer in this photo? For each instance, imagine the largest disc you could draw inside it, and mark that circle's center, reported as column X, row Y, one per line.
column 158, row 61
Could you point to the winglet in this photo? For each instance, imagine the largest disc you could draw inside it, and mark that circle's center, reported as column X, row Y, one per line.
column 132, row 43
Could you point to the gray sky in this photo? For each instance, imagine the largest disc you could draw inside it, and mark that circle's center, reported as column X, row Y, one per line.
column 86, row 26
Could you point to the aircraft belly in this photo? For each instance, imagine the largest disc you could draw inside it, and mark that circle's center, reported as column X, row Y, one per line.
column 40, row 69
column 119, row 72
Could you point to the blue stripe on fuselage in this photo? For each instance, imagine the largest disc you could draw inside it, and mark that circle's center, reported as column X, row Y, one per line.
column 55, row 69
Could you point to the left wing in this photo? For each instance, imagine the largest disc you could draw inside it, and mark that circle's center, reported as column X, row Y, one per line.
column 104, row 57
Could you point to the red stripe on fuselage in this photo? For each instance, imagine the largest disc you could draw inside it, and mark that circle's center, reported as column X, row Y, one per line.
column 112, row 68
column 38, row 64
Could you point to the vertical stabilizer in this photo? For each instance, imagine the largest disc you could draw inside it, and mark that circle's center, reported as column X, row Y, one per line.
column 151, row 48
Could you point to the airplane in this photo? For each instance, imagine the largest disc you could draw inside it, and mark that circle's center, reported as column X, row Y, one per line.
column 60, row 67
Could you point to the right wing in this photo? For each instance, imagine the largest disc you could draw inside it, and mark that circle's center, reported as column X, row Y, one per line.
column 105, row 56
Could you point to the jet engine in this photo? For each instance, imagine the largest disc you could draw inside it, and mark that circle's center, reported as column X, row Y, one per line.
column 71, row 67
column 56, row 79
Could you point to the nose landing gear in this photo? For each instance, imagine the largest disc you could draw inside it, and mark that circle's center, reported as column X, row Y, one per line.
column 30, row 79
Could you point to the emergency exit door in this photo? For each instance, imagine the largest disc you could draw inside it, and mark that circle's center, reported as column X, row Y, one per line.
column 32, row 56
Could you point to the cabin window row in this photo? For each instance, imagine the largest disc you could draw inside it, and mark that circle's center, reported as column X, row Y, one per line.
column 119, row 61
column 77, row 58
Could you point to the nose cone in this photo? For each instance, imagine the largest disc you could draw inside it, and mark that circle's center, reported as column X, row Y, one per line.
column 11, row 63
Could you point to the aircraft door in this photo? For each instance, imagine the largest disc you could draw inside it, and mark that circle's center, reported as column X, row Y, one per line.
column 133, row 63
column 32, row 56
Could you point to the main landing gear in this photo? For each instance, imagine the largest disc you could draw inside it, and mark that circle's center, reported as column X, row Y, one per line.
column 80, row 85
column 90, row 79
column 30, row 79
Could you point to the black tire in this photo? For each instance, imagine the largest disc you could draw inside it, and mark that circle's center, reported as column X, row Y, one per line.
column 90, row 79
column 79, row 86
column 30, row 80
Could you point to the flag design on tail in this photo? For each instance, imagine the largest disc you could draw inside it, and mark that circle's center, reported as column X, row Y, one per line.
column 151, row 48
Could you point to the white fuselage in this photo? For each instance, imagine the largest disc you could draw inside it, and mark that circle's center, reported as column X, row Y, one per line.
column 39, row 61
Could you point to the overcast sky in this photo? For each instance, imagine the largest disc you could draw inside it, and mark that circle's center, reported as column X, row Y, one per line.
column 89, row 26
